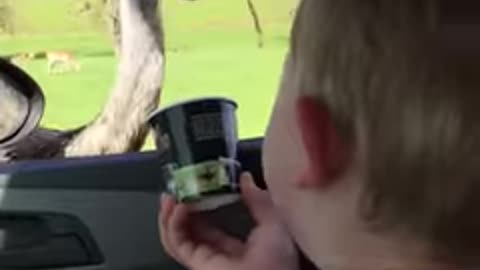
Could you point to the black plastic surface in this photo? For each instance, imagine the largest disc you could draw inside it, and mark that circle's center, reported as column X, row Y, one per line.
column 65, row 251
column 42, row 240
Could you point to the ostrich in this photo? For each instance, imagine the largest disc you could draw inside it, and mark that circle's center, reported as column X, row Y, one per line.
column 121, row 126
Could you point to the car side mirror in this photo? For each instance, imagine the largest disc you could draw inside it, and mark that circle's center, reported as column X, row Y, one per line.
column 21, row 103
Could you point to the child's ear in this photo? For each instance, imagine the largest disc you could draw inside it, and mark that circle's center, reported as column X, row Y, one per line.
column 327, row 153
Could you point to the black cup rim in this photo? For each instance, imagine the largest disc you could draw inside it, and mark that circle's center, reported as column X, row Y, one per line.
column 36, row 101
column 189, row 101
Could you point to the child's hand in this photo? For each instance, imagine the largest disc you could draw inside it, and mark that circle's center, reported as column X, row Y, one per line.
column 198, row 246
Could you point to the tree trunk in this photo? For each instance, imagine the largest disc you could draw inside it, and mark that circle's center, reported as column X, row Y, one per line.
column 256, row 22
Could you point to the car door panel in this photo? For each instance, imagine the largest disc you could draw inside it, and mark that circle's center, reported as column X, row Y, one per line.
column 108, row 206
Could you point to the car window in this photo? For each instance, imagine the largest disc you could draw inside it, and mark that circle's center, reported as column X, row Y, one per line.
column 213, row 48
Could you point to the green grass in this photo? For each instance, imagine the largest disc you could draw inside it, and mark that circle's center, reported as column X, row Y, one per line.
column 215, row 54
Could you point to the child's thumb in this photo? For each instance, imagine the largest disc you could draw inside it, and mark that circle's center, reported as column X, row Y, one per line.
column 257, row 201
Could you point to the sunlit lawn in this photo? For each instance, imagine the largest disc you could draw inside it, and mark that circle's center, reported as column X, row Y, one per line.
column 211, row 50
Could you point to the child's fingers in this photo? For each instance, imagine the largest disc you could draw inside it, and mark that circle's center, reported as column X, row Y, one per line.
column 257, row 201
column 188, row 249
column 179, row 235
column 167, row 247
column 217, row 239
column 167, row 208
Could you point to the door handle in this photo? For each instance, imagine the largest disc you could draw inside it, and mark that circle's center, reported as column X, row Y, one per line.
column 42, row 240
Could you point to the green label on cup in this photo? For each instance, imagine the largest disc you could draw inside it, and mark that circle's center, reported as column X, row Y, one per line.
column 192, row 182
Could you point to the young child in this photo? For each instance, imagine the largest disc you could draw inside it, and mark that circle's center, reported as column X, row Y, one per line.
column 372, row 154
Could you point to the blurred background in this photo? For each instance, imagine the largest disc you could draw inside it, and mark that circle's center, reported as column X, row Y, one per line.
column 213, row 47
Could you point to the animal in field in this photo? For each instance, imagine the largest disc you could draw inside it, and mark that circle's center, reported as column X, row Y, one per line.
column 61, row 62
column 121, row 126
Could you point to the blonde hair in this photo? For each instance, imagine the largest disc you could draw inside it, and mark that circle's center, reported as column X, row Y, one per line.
column 387, row 64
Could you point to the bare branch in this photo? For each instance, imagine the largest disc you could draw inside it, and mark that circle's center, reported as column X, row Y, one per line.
column 256, row 21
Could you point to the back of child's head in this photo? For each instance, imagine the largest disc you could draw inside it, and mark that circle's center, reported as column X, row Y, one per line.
column 395, row 72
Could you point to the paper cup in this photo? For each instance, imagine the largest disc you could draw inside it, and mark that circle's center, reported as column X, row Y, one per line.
column 197, row 144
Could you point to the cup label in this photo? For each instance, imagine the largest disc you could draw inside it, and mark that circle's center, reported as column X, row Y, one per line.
column 191, row 183
column 207, row 126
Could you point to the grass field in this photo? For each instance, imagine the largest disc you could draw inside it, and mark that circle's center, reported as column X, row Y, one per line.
column 211, row 50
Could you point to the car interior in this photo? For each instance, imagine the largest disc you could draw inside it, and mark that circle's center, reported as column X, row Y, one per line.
column 95, row 213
